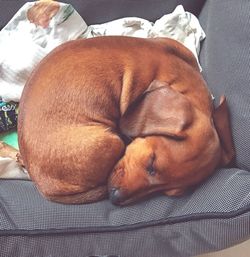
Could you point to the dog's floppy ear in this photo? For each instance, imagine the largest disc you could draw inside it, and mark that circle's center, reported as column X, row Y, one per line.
column 160, row 110
column 222, row 125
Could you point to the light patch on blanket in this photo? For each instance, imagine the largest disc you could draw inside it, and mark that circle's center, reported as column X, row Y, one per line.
column 9, row 169
column 179, row 25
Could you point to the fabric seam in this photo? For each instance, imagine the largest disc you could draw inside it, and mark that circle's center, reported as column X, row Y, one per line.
column 136, row 226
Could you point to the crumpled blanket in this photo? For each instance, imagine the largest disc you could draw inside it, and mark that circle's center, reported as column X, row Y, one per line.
column 36, row 29
column 179, row 25
column 39, row 27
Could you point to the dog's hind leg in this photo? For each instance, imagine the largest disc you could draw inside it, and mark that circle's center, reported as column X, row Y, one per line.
column 78, row 164
column 93, row 195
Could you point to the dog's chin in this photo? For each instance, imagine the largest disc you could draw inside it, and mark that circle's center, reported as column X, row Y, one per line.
column 139, row 197
column 131, row 200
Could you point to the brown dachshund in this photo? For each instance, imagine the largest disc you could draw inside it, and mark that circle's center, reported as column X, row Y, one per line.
column 87, row 95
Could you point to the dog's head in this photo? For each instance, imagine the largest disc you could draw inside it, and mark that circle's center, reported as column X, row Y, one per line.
column 175, row 145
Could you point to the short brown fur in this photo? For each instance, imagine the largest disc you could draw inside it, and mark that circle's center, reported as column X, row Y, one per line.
column 86, row 92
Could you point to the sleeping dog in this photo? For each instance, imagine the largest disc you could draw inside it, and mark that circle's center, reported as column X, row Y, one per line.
column 87, row 95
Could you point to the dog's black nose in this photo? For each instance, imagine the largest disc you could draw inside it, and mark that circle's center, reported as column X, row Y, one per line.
column 115, row 195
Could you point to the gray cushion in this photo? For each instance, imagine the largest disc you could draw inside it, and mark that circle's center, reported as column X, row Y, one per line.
column 161, row 226
column 225, row 59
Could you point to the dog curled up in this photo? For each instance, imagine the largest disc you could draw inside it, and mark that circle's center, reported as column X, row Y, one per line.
column 87, row 95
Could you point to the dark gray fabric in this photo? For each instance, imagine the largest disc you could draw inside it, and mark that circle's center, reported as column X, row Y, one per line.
column 170, row 240
column 214, row 216
column 226, row 63
column 25, row 209
column 99, row 11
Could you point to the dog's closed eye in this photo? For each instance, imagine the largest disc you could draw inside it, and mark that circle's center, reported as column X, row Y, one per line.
column 150, row 167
